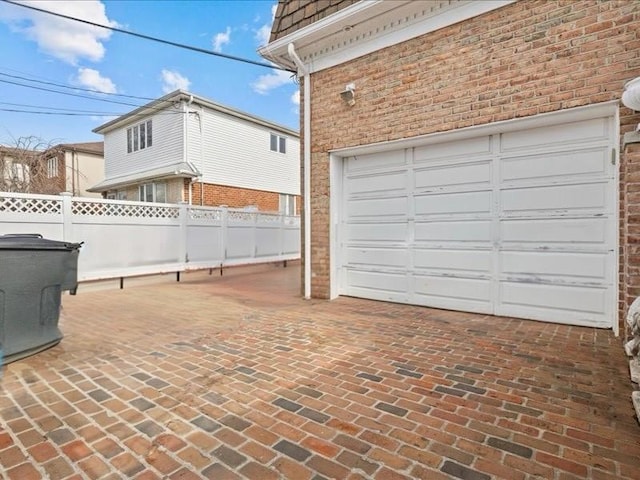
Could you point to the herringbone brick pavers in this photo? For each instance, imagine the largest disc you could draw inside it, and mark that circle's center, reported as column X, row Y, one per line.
column 237, row 377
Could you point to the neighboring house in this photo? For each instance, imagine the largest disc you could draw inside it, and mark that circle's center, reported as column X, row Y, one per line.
column 67, row 167
column 185, row 148
column 469, row 155
column 81, row 165
column 25, row 170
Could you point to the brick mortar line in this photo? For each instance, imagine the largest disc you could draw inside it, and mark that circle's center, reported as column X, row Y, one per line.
column 33, row 423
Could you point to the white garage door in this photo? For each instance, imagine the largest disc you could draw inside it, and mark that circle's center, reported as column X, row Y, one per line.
column 521, row 223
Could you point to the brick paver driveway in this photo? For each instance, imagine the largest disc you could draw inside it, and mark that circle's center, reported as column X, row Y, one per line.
column 237, row 377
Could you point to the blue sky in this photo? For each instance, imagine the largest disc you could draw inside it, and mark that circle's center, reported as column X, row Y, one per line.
column 45, row 48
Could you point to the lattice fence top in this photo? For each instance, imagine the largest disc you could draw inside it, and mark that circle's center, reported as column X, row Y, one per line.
column 205, row 214
column 30, row 205
column 241, row 216
column 270, row 218
column 102, row 209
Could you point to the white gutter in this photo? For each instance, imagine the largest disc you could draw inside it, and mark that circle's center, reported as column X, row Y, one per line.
column 306, row 184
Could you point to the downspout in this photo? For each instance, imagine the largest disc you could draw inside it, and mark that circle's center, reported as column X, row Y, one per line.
column 185, row 147
column 201, row 119
column 302, row 71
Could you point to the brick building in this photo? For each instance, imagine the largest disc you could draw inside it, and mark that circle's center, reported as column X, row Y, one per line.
column 469, row 155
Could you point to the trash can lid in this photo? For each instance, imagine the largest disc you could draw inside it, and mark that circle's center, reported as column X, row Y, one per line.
column 34, row 241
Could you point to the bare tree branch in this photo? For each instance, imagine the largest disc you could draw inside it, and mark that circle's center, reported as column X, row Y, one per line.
column 31, row 165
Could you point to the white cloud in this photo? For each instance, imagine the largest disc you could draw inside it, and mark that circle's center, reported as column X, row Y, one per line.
column 90, row 78
column 264, row 32
column 64, row 39
column 220, row 39
column 174, row 81
column 295, row 97
column 268, row 82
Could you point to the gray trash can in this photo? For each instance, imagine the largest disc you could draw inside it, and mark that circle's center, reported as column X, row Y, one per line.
column 33, row 273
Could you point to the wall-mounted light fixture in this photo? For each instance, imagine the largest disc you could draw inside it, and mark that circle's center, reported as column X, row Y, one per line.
column 349, row 94
column 631, row 94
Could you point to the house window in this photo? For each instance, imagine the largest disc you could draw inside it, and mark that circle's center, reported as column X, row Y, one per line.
column 117, row 195
column 153, row 192
column 52, row 167
column 139, row 136
column 287, row 204
column 278, row 143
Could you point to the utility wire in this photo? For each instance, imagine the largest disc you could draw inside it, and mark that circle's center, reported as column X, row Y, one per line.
column 69, row 94
column 54, row 110
column 74, row 88
column 154, row 39
column 68, row 114
column 73, row 114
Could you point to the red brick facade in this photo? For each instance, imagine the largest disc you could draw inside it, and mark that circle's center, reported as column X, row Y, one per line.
column 234, row 197
column 527, row 58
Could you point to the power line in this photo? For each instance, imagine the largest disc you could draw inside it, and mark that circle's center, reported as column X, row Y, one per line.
column 69, row 94
column 154, row 39
column 61, row 111
column 75, row 114
column 37, row 112
column 74, row 88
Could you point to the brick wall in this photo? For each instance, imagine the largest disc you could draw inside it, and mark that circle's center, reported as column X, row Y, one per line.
column 234, row 197
column 530, row 57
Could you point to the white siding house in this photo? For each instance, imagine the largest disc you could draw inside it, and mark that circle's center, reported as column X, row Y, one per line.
column 182, row 147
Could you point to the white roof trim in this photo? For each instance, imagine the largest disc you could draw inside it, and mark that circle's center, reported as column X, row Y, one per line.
column 371, row 25
column 604, row 109
column 175, row 170
column 153, row 107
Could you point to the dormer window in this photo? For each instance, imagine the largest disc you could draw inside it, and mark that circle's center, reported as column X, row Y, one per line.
column 139, row 136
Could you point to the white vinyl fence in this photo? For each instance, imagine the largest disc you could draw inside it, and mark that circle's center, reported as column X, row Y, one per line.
column 123, row 239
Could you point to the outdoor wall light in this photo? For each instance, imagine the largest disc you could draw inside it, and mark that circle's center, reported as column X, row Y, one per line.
column 349, row 94
column 631, row 94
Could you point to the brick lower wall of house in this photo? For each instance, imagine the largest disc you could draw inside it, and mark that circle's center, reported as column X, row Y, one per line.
column 234, row 197
column 527, row 58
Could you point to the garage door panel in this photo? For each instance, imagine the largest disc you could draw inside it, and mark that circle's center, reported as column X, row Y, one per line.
column 478, row 290
column 467, row 174
column 582, row 232
column 386, row 283
column 460, row 261
column 576, row 299
column 575, row 133
column 377, row 207
column 376, row 160
column 555, row 165
column 575, row 267
column 453, row 231
column 380, row 232
column 566, row 198
column 377, row 257
column 454, row 203
column 385, row 182
column 479, row 146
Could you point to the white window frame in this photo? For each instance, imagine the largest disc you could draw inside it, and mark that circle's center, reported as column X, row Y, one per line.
column 155, row 192
column 140, row 136
column 277, row 143
column 287, row 204
column 52, row 167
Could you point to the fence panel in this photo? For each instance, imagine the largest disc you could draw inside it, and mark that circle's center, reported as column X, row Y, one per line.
column 20, row 213
column 124, row 239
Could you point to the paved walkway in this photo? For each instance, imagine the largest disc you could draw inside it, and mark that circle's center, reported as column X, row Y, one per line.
column 237, row 377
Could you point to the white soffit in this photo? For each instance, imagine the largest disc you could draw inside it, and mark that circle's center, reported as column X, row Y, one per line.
column 371, row 25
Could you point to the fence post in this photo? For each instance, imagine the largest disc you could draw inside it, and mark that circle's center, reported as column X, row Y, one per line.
column 183, row 254
column 255, row 234
column 224, row 226
column 67, row 217
column 281, row 227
